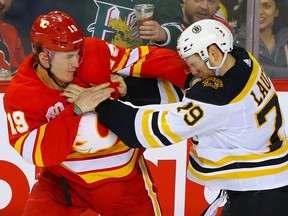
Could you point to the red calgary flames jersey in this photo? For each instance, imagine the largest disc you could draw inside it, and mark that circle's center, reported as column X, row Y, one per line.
column 44, row 130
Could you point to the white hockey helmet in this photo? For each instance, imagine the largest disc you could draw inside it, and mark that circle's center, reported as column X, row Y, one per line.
column 200, row 35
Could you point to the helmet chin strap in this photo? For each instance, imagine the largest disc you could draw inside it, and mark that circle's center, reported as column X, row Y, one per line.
column 217, row 68
column 217, row 71
column 53, row 77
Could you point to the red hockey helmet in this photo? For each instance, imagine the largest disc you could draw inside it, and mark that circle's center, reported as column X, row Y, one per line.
column 56, row 31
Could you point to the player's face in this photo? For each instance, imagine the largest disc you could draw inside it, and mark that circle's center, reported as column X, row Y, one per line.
column 268, row 12
column 64, row 65
column 196, row 10
column 198, row 67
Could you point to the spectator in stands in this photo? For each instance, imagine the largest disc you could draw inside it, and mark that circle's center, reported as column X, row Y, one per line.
column 273, row 36
column 195, row 10
column 226, row 8
column 11, row 50
column 235, row 14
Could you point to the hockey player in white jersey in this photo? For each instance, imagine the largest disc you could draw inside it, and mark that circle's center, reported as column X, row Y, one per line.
column 233, row 115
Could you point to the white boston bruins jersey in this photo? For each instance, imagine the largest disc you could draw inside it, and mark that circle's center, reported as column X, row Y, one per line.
column 235, row 123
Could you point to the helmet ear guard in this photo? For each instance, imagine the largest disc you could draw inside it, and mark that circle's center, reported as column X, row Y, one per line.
column 200, row 35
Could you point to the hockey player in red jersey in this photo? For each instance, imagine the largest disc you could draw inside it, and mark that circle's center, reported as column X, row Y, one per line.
column 80, row 170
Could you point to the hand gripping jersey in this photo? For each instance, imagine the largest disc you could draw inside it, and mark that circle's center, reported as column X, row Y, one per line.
column 100, row 59
column 235, row 122
column 115, row 21
column 44, row 131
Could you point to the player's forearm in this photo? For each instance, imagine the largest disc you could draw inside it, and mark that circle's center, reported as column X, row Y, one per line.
column 109, row 117
column 137, row 96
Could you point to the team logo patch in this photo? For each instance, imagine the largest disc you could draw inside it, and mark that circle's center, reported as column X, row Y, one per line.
column 44, row 23
column 213, row 82
column 196, row 29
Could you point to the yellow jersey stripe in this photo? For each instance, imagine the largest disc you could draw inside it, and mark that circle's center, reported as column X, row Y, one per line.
column 169, row 92
column 167, row 129
column 38, row 155
column 92, row 177
column 18, row 144
column 146, row 129
column 149, row 186
column 137, row 67
column 250, row 82
column 123, row 60
column 249, row 158
column 238, row 174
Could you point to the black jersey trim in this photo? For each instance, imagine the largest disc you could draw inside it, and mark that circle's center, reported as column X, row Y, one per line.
column 239, row 165
column 156, row 130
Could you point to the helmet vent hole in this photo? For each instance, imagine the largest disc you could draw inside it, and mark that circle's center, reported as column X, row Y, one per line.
column 62, row 44
column 186, row 49
column 58, row 29
column 54, row 41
